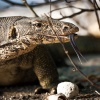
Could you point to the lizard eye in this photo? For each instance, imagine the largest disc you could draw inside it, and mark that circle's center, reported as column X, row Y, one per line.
column 65, row 28
column 38, row 24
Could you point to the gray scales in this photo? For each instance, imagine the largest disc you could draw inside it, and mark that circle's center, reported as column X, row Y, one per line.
column 22, row 57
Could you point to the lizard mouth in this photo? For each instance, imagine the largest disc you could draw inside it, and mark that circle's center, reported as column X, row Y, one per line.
column 56, row 38
column 61, row 36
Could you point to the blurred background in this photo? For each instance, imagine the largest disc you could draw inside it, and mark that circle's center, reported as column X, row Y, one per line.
column 80, row 12
column 83, row 13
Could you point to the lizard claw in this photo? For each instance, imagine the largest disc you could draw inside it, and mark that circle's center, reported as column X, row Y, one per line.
column 40, row 90
column 53, row 90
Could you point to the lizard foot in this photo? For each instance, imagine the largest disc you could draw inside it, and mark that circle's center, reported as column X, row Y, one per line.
column 40, row 90
column 53, row 90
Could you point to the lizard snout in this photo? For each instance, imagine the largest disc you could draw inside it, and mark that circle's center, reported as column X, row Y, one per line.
column 70, row 29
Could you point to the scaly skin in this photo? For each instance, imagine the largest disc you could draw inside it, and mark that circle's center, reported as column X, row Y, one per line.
column 22, row 58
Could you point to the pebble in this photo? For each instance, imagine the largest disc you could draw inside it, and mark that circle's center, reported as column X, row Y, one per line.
column 57, row 97
column 69, row 89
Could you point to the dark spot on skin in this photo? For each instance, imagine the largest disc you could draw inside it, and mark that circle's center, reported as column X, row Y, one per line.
column 38, row 24
column 13, row 33
column 46, row 26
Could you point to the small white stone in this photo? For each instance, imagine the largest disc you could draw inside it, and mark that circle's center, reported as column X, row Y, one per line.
column 68, row 89
column 57, row 97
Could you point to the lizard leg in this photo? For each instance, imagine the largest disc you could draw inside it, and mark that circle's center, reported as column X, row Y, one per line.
column 44, row 67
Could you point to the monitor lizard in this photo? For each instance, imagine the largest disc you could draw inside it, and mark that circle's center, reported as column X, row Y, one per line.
column 23, row 58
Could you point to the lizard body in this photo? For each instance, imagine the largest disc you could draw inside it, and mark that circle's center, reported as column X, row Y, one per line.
column 22, row 57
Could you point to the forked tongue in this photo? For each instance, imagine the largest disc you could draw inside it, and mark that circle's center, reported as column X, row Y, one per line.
column 77, row 51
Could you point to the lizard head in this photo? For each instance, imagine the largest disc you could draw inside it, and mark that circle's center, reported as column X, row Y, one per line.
column 22, row 34
column 48, row 31
column 54, row 31
column 43, row 30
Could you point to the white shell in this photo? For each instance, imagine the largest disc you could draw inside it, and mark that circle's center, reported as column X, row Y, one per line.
column 57, row 97
column 68, row 89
